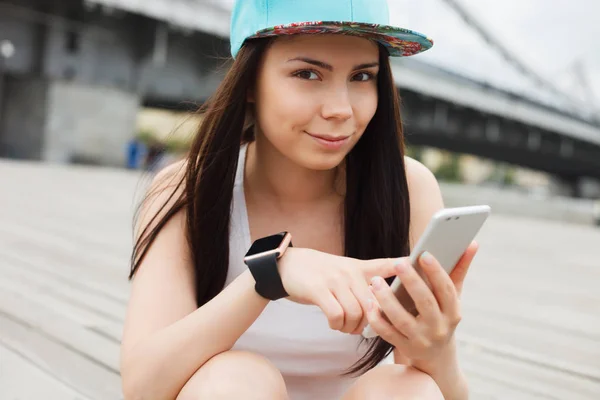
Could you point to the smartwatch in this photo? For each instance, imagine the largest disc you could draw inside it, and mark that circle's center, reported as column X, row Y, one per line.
column 262, row 261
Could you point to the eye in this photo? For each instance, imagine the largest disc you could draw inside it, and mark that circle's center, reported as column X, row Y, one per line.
column 363, row 76
column 307, row 74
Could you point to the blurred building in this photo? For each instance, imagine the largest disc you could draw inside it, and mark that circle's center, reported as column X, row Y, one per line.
column 75, row 73
column 81, row 70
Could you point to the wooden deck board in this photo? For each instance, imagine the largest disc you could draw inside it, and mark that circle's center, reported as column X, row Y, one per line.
column 20, row 379
column 75, row 369
column 531, row 303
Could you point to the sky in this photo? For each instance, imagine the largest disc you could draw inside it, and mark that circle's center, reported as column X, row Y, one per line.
column 551, row 37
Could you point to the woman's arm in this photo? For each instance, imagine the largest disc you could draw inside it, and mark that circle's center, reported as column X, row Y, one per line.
column 447, row 374
column 166, row 338
column 158, row 365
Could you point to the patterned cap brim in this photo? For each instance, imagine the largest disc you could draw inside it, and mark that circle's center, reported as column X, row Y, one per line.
column 400, row 42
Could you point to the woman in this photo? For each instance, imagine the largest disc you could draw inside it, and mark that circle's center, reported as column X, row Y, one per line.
column 303, row 136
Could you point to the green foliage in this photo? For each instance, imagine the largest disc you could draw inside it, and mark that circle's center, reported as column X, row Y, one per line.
column 146, row 137
column 449, row 170
column 509, row 176
column 415, row 152
column 178, row 146
column 503, row 175
column 171, row 144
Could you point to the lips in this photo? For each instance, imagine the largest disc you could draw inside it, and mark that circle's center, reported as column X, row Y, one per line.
column 330, row 142
column 329, row 138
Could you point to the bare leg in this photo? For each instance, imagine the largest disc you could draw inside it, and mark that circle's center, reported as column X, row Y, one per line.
column 235, row 375
column 394, row 382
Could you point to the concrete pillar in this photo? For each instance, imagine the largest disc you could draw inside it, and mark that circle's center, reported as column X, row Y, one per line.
column 590, row 189
column 577, row 187
column 62, row 121
column 23, row 118
column 90, row 124
column 559, row 186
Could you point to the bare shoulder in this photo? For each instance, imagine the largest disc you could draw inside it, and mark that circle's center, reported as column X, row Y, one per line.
column 169, row 175
column 419, row 176
column 425, row 196
column 163, row 194
column 166, row 187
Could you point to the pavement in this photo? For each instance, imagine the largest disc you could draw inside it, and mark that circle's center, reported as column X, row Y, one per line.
column 531, row 304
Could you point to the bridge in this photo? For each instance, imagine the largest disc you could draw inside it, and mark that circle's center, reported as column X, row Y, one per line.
column 103, row 59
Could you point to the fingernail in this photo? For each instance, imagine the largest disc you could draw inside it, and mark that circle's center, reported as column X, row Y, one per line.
column 402, row 266
column 426, row 257
column 376, row 282
column 400, row 260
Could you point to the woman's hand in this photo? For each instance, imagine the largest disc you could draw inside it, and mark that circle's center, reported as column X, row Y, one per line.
column 339, row 286
column 424, row 337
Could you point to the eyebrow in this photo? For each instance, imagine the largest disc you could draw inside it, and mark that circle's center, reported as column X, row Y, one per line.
column 329, row 67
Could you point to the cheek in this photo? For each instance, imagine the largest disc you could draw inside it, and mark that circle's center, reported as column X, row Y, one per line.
column 283, row 110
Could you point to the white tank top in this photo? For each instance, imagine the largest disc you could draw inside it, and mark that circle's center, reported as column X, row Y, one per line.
column 294, row 337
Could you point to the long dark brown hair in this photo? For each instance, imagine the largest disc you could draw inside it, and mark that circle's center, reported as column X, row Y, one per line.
column 376, row 209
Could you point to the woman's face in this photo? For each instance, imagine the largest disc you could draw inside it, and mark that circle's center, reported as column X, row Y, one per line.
column 312, row 86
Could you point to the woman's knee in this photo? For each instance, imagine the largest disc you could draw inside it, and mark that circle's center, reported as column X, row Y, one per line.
column 235, row 375
column 396, row 382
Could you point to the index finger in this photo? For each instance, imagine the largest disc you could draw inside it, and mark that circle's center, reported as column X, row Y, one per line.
column 383, row 267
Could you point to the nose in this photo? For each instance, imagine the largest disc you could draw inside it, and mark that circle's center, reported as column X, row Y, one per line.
column 337, row 105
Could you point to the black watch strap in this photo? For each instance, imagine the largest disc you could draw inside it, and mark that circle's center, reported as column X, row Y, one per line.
column 266, row 274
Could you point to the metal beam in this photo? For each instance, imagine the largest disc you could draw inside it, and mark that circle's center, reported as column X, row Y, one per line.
column 498, row 139
column 195, row 15
column 507, row 54
column 440, row 86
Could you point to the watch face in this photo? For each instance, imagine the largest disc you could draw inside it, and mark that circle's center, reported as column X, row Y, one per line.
column 266, row 244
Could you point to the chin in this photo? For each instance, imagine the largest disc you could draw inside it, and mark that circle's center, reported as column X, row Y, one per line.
column 322, row 161
column 323, row 165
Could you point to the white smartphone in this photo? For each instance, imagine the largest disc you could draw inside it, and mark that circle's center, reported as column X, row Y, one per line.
column 447, row 237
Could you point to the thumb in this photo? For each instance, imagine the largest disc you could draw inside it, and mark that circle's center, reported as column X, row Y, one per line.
column 383, row 267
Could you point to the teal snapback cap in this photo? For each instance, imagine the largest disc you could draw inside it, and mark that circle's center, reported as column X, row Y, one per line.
column 253, row 19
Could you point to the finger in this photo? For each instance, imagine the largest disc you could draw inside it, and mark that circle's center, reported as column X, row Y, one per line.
column 384, row 267
column 371, row 302
column 397, row 315
column 441, row 284
column 383, row 328
column 353, row 312
column 361, row 326
column 424, row 300
column 332, row 310
column 363, row 294
column 459, row 272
